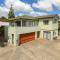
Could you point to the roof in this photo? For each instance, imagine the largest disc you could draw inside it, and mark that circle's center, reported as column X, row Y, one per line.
column 25, row 17
column 33, row 18
column 47, row 16
column 28, row 18
column 22, row 17
column 3, row 19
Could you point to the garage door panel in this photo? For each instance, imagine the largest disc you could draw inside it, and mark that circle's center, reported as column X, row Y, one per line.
column 47, row 35
column 24, row 41
column 27, row 37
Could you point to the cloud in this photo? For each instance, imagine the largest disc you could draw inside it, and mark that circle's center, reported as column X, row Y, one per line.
column 3, row 11
column 35, row 13
column 18, row 5
column 56, row 3
column 26, row 8
column 20, row 14
column 43, row 5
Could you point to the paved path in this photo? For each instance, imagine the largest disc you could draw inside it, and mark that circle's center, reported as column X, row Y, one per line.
column 33, row 50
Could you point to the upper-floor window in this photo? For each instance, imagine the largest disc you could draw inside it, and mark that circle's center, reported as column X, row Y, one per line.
column 36, row 23
column 23, row 23
column 29, row 23
column 12, row 23
column 18, row 23
column 54, row 21
column 46, row 22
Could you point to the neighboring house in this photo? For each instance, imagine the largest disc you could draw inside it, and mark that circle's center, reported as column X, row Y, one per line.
column 3, row 29
column 26, row 28
column 59, row 26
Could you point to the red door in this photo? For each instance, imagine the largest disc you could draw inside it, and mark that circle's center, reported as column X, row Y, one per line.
column 26, row 37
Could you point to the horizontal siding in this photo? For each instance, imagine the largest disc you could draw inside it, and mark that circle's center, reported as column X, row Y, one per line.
column 55, row 26
column 46, row 27
column 50, row 26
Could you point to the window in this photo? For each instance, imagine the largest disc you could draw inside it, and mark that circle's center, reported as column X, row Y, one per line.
column 54, row 21
column 36, row 23
column 12, row 23
column 46, row 22
column 23, row 23
column 18, row 23
column 29, row 23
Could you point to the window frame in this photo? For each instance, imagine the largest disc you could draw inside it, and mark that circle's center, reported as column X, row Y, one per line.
column 17, row 23
column 30, row 23
column 45, row 22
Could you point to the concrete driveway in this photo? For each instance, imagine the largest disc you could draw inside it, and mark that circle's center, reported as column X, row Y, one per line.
column 34, row 50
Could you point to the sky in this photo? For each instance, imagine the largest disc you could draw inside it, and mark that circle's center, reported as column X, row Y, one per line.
column 30, row 7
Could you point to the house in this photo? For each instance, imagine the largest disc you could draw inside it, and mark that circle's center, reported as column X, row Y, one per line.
column 23, row 29
column 26, row 28
column 3, row 30
column 59, row 26
column 48, row 26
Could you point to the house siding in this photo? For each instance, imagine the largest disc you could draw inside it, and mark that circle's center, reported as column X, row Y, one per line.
column 20, row 30
column 45, row 27
column 17, row 30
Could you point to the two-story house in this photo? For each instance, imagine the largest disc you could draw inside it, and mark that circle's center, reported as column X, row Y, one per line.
column 26, row 28
column 23, row 29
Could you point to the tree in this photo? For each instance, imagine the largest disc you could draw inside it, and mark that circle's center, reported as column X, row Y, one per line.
column 11, row 13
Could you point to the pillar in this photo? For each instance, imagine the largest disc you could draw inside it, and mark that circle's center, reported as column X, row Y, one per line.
column 51, row 35
column 35, row 35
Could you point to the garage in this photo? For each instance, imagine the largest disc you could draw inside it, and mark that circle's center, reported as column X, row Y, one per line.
column 47, row 35
column 26, row 37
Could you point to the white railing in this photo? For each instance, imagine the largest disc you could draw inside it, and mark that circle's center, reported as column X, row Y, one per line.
column 20, row 30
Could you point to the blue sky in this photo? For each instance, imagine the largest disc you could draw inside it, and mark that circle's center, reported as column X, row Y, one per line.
column 30, row 7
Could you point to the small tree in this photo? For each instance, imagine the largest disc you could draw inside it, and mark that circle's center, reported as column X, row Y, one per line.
column 11, row 13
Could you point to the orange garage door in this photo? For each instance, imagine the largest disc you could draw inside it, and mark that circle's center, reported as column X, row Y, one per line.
column 26, row 37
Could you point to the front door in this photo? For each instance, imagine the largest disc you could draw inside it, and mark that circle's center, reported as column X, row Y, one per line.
column 47, row 35
column 12, row 38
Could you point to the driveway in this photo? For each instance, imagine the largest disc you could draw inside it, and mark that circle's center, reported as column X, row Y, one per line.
column 34, row 50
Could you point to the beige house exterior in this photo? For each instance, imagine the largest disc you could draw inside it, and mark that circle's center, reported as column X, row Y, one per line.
column 26, row 28
column 48, row 27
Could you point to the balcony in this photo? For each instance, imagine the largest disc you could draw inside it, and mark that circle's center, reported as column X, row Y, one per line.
column 20, row 30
